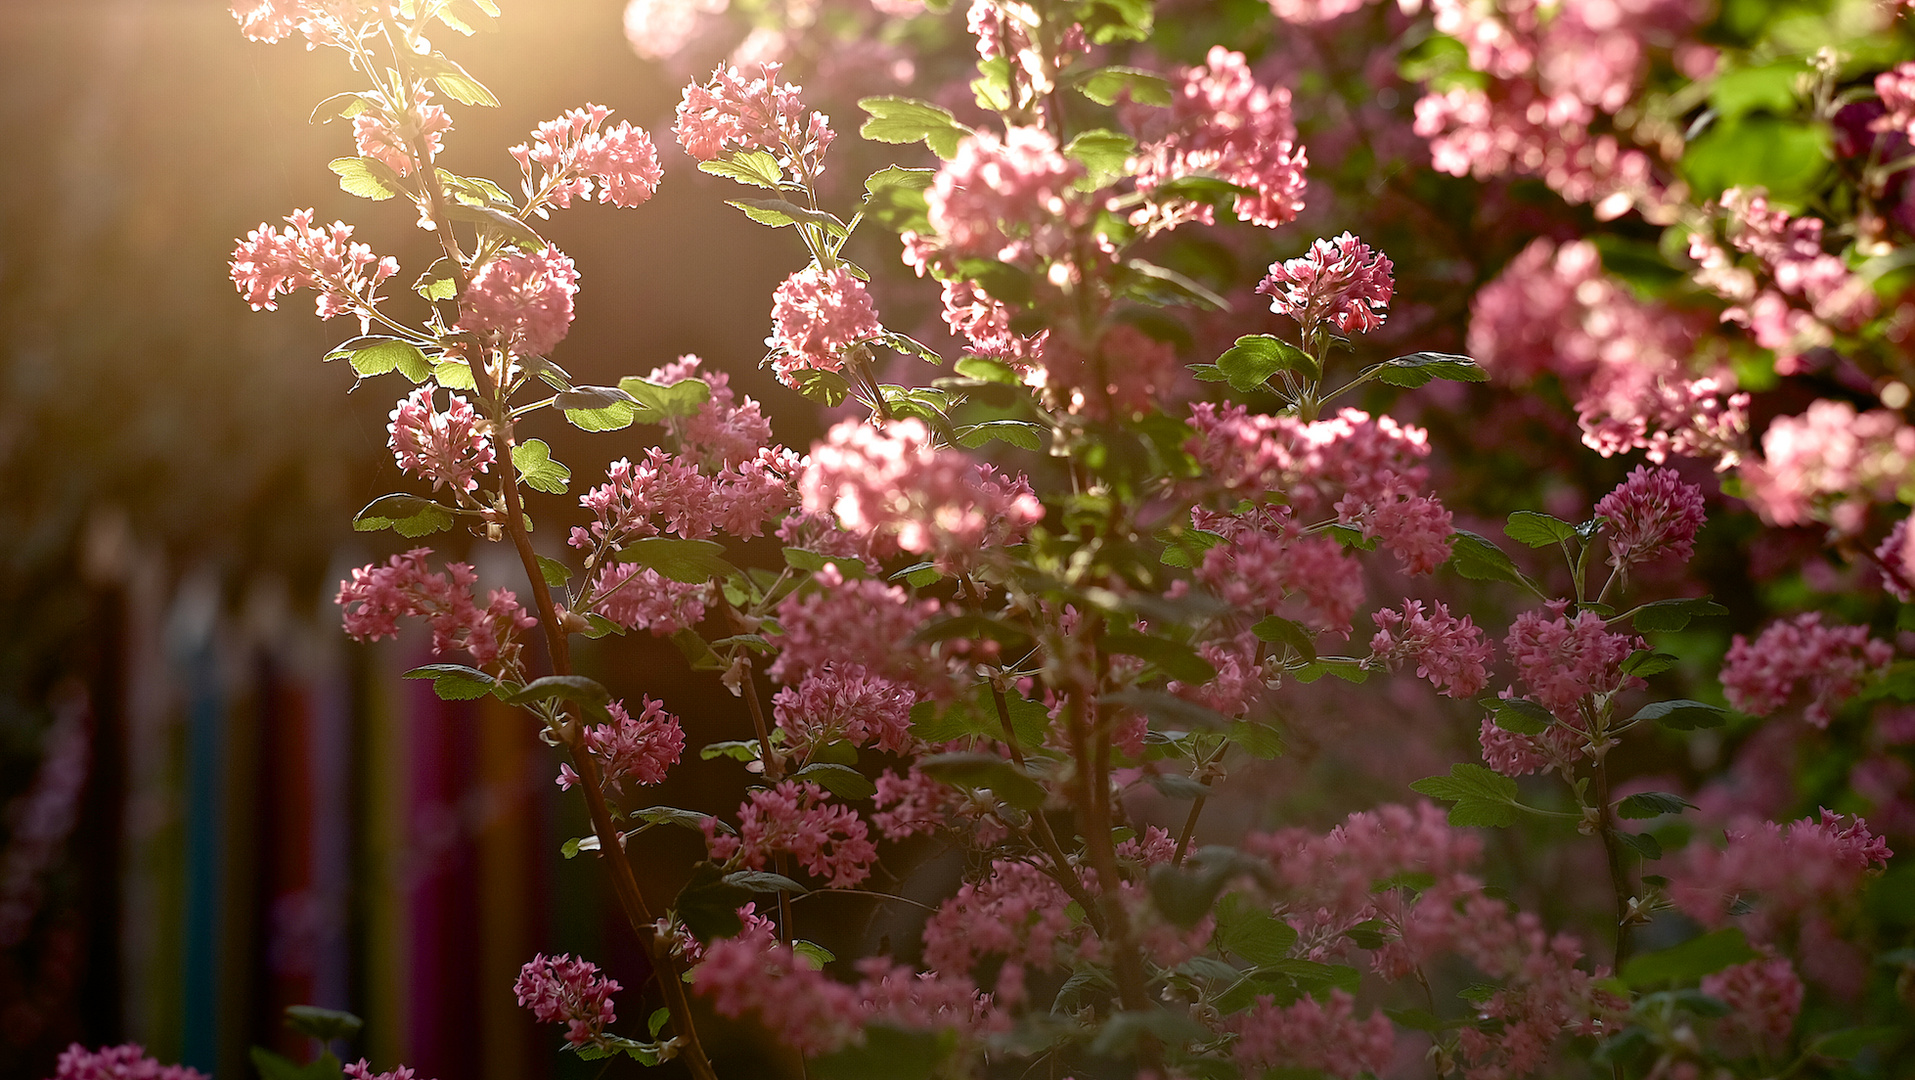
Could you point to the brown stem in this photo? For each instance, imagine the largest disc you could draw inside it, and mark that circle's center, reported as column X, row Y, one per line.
column 1062, row 873
column 1612, row 847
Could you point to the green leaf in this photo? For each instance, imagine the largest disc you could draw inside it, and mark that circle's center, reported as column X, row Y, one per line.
column 1104, row 85
column 1019, row 433
column 1672, row 615
column 391, row 354
column 692, row 562
column 578, row 689
column 599, row 408
column 1417, row 369
column 453, row 81
column 1168, row 710
column 1647, row 662
column 1260, row 741
column 1642, row 844
column 271, row 1066
column 895, row 176
column 455, row 682
column 555, row 573
column 1520, row 715
column 1850, row 1042
column 1185, row 896
column 887, row 1053
column 1255, row 358
column 367, row 178
column 1681, row 714
column 1538, row 530
column 1648, row 804
column 1348, row 669
column 1690, row 960
column 1482, row 797
column 609, row 1046
column 763, row 881
column 747, row 167
column 1281, row 631
column 1769, row 88
column 1185, row 546
column 1107, row 21
column 656, row 1022
column 825, row 387
column 322, row 1024
column 492, row 219
column 1006, row 283
column 904, row 120
column 1161, row 285
column 681, row 399
column 537, row 470
column 1476, row 558
column 1104, row 155
column 812, row 953
column 1788, row 157
column 1173, row 658
column 708, row 904
column 408, row 515
column 1252, row 933
column 684, row 819
column 974, row 770
column 841, row 780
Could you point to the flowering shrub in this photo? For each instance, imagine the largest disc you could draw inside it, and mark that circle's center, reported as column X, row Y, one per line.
column 1051, row 604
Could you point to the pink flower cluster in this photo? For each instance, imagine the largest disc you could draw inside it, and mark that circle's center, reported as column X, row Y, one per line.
column 447, row 447
column 664, row 493
column 524, row 298
column 324, row 22
column 829, row 840
column 732, row 113
column 1896, row 554
column 817, row 315
column 642, row 750
column 1830, row 464
column 561, row 990
column 572, row 152
column 1554, row 72
column 1789, row 869
column 1623, row 360
column 1451, row 653
column 1564, row 661
column 377, row 597
column 1223, row 123
column 125, row 1062
column 895, row 486
column 915, row 804
column 985, row 325
column 1011, row 200
column 1337, row 872
column 1897, row 90
column 1340, row 282
column 1268, row 564
column 1761, row 677
column 639, row 598
column 363, row 1070
column 722, row 432
column 1764, row 997
column 1308, row 1035
column 867, row 619
column 1014, row 911
column 374, row 138
column 1652, row 515
column 269, row 263
column 839, row 701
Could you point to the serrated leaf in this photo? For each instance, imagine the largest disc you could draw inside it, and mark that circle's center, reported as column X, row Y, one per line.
column 1176, row 786
column 904, row 120
column 1260, row 741
column 1648, row 804
column 323, row 1024
column 454, row 82
column 1103, row 154
column 1681, row 714
column 576, row 689
column 367, row 178
column 1672, row 615
column 1645, row 662
column 1104, row 85
column 1537, row 530
column 1476, row 558
column 455, row 682
column 825, row 387
column 681, row 399
column 985, row 771
column 1281, row 631
column 555, row 573
column 408, row 515
column 841, row 780
column 1642, row 844
column 812, row 954
column 1520, row 715
column 1482, row 797
column 762, row 881
column 747, row 167
column 600, row 408
column 492, row 218
column 684, row 819
column 1251, row 933
column 895, row 176
column 1690, row 960
column 537, row 470
column 1416, row 369
column 1019, row 433
column 1173, row 658
column 692, row 562
column 1185, row 546
column 391, row 354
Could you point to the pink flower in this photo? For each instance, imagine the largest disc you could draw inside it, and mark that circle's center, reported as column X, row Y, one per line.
column 985, row 325
column 638, row 598
column 446, row 448
column 1652, row 515
column 665, row 493
column 1223, row 123
column 817, row 315
column 722, row 432
column 827, row 839
column 561, row 990
column 362, row 1070
column 1015, row 911
column 803, row 1009
column 1896, row 553
column 1314, row 464
column 1829, row 464
column 375, row 138
column 1564, row 661
column 1011, row 200
column 571, row 152
column 377, row 597
column 1306, row 1035
column 1786, row 869
column 836, row 702
column 1451, row 653
column 895, row 486
column 642, row 750
column 269, row 263
column 526, row 299
column 730, row 113
column 1897, row 89
column 1269, row 566
column 324, row 22
column 1764, row 997
column 1341, row 282
column 125, row 1062
column 1833, row 662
